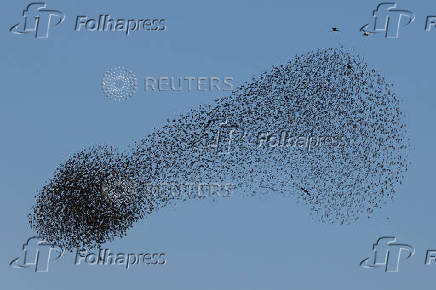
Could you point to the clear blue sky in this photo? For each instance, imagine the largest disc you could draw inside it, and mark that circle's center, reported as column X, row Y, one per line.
column 52, row 105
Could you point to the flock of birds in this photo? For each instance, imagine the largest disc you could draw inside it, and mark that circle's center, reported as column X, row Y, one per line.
column 100, row 192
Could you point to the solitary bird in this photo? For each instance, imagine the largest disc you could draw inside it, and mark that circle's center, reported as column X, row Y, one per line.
column 335, row 29
column 305, row 190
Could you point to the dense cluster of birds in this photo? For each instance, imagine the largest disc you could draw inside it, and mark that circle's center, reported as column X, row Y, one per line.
column 99, row 193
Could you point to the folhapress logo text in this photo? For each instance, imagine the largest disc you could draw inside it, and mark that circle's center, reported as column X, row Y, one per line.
column 39, row 21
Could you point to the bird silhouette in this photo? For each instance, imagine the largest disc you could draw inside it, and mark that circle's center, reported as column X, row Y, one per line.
column 305, row 191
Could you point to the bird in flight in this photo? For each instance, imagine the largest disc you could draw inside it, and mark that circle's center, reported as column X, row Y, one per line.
column 305, row 190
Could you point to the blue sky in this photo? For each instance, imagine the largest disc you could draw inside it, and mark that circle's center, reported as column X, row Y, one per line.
column 52, row 105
